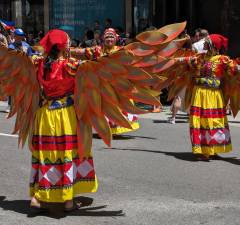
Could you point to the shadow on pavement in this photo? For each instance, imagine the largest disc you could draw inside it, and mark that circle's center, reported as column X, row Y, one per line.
column 56, row 210
column 134, row 136
column 166, row 121
column 186, row 156
column 116, row 137
column 233, row 121
column 125, row 137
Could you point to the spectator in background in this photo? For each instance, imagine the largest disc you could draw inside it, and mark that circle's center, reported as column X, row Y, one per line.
column 97, row 26
column 176, row 105
column 89, row 39
column 199, row 45
column 129, row 38
column 97, row 37
column 30, row 39
column 178, row 100
column 121, row 36
column 3, row 40
column 39, row 36
column 196, row 37
column 108, row 23
column 11, row 37
column 20, row 44
column 75, row 43
column 3, row 36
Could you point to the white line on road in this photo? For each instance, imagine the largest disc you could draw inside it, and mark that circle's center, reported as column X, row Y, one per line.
column 9, row 135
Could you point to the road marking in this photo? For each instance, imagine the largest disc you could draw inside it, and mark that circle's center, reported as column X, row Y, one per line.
column 9, row 135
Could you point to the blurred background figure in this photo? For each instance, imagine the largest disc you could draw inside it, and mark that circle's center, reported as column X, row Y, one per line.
column 129, row 38
column 108, row 23
column 3, row 40
column 40, row 35
column 30, row 39
column 198, row 46
column 20, row 43
column 97, row 26
column 88, row 39
column 176, row 105
column 97, row 37
column 11, row 36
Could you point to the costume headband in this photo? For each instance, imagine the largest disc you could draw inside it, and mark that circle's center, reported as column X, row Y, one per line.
column 54, row 37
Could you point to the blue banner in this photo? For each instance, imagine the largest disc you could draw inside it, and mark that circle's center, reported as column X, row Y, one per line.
column 78, row 15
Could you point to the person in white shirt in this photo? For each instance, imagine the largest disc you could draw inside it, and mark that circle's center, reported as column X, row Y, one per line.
column 199, row 45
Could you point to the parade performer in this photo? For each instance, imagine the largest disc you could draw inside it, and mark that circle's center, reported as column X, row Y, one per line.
column 210, row 79
column 110, row 38
column 57, row 101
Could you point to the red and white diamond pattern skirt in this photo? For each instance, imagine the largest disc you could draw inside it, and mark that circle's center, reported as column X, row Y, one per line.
column 209, row 129
column 57, row 173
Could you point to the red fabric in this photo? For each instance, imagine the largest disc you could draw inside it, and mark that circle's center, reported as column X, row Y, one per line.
column 204, row 137
column 208, row 113
column 219, row 41
column 63, row 168
column 54, row 37
column 57, row 82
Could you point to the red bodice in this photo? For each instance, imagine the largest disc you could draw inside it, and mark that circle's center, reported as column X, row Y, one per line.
column 57, row 82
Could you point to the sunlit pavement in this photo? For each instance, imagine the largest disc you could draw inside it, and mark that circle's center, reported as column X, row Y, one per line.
column 147, row 177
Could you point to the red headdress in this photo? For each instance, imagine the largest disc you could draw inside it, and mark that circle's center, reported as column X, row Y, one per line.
column 110, row 32
column 54, row 37
column 219, row 41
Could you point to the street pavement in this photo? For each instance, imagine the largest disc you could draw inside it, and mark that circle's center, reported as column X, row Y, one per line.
column 147, row 177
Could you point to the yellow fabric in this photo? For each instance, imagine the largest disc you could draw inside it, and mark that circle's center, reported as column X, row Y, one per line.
column 206, row 150
column 208, row 98
column 62, row 195
column 120, row 130
column 59, row 122
column 55, row 122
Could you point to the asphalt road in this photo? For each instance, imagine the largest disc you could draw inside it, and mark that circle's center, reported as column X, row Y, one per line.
column 148, row 177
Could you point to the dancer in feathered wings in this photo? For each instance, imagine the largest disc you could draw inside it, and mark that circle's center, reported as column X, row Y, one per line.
column 211, row 79
column 109, row 46
column 57, row 102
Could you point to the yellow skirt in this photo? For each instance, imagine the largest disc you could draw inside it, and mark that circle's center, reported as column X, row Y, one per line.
column 209, row 128
column 57, row 172
column 121, row 130
column 132, row 119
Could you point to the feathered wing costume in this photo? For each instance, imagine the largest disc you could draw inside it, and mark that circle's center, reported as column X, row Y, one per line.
column 211, row 81
column 77, row 98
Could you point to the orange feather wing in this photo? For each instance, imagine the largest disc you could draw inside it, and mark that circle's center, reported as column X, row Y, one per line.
column 107, row 86
column 18, row 80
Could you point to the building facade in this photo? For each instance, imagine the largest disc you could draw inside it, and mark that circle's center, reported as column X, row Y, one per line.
column 217, row 16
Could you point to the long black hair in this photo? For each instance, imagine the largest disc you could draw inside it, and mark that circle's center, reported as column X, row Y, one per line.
column 52, row 56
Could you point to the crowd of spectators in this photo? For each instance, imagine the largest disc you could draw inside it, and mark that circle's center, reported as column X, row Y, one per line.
column 91, row 37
